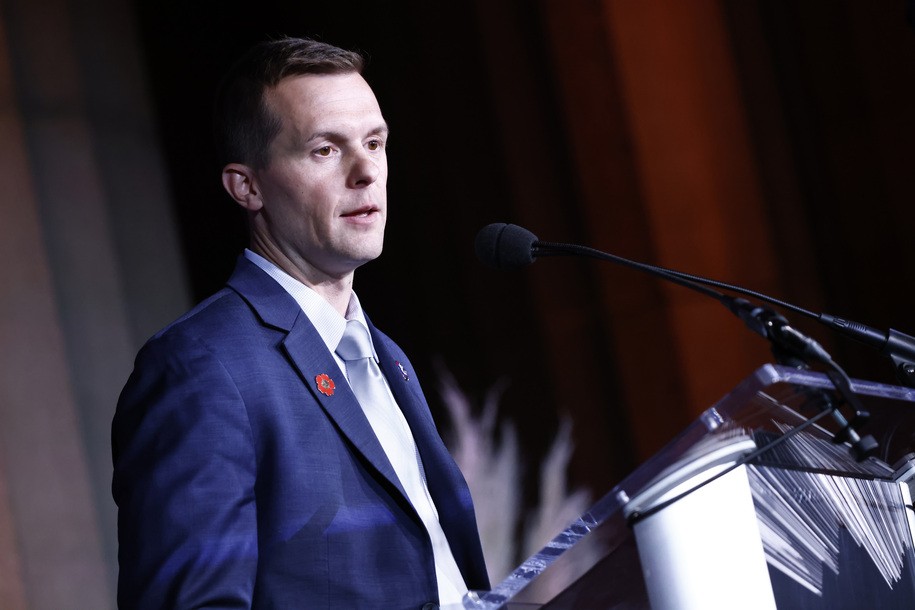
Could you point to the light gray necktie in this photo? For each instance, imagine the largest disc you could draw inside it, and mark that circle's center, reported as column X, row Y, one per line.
column 386, row 418
column 393, row 432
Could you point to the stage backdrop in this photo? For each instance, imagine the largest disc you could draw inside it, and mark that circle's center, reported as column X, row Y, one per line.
column 761, row 142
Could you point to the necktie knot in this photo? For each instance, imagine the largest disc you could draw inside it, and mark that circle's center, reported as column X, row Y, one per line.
column 355, row 343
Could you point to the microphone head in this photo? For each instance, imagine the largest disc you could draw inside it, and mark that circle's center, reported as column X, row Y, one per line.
column 505, row 246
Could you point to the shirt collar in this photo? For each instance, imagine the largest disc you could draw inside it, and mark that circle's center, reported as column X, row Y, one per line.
column 326, row 320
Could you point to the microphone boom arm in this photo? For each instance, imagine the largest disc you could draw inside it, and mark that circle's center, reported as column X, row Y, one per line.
column 895, row 345
column 789, row 346
column 506, row 246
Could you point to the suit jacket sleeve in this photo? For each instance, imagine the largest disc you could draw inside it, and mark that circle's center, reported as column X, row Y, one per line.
column 184, row 474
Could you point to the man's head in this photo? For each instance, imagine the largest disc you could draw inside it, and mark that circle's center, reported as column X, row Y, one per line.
column 307, row 158
column 244, row 124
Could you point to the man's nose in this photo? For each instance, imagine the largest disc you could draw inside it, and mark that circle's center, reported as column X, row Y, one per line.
column 364, row 170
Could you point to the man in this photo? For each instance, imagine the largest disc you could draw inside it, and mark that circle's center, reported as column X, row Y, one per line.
column 257, row 462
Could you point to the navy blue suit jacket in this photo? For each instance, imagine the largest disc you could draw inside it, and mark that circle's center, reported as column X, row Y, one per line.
column 240, row 484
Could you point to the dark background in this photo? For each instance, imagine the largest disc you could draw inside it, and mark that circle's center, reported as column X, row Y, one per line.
column 477, row 96
column 761, row 142
column 447, row 181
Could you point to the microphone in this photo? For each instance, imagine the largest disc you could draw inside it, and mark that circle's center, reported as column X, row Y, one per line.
column 507, row 246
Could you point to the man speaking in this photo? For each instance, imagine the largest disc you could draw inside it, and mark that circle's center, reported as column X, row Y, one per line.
column 272, row 448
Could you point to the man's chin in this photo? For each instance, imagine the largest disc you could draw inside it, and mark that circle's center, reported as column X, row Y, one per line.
column 364, row 255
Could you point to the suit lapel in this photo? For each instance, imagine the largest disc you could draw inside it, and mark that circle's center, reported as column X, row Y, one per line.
column 442, row 475
column 309, row 356
column 446, row 483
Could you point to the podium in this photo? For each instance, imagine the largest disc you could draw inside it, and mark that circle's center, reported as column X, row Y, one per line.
column 752, row 506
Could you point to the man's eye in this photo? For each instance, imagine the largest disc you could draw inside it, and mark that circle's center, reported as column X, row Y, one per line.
column 374, row 144
column 324, row 151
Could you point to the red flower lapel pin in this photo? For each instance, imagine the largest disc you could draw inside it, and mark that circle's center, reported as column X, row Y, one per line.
column 325, row 384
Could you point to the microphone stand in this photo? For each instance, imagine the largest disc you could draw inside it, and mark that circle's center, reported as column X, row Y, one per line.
column 895, row 345
column 789, row 346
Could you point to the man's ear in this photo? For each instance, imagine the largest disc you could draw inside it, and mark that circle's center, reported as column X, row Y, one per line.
column 239, row 182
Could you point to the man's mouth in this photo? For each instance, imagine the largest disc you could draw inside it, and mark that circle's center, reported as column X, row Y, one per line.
column 362, row 212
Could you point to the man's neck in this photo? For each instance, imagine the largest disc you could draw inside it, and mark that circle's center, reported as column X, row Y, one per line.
column 334, row 290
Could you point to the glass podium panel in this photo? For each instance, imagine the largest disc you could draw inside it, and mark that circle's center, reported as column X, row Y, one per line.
column 830, row 531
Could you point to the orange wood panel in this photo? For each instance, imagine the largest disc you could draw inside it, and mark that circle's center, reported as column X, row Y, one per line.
column 697, row 177
column 582, row 381
column 632, row 303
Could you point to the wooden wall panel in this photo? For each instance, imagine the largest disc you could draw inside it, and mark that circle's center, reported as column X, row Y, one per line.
column 698, row 178
column 610, row 200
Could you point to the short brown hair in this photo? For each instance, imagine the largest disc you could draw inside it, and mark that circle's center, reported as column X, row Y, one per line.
column 244, row 125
